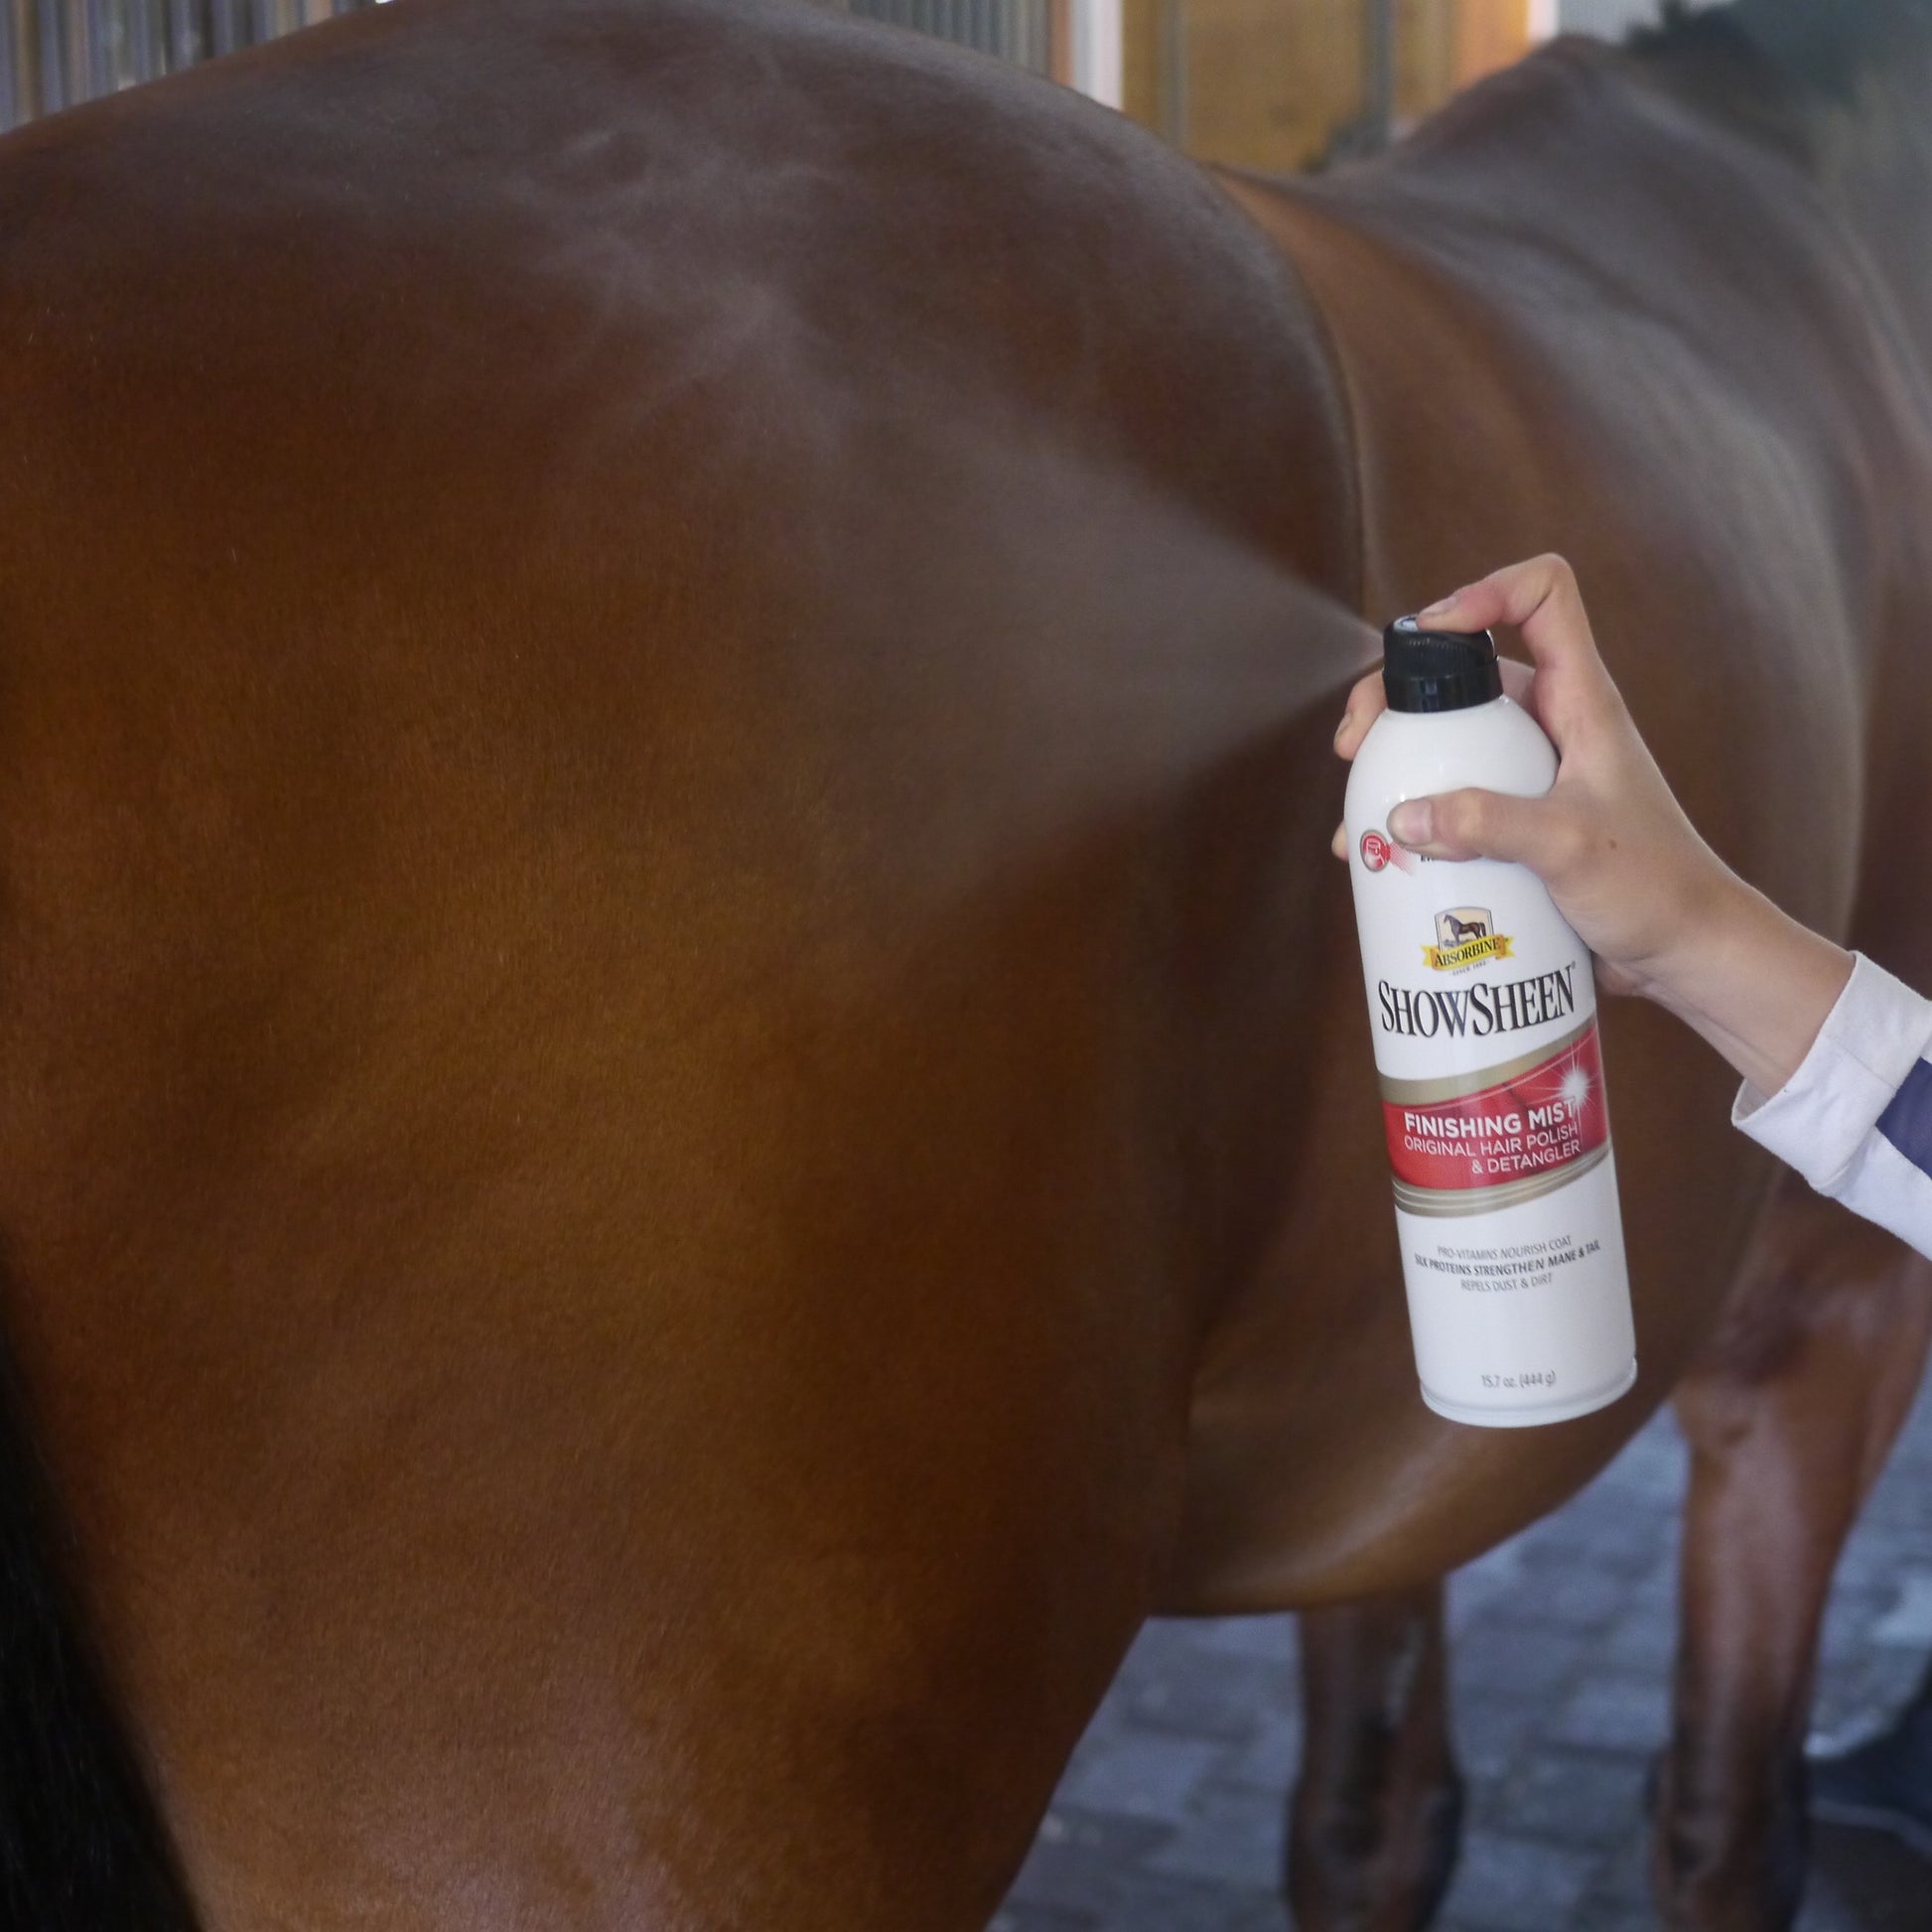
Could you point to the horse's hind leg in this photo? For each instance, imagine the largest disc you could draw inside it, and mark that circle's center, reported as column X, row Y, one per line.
column 1790, row 1418
column 1377, row 1811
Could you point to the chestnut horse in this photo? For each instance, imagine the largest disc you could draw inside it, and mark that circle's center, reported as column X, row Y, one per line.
column 683, row 1104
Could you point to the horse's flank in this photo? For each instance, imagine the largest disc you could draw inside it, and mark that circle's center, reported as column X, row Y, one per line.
column 633, row 880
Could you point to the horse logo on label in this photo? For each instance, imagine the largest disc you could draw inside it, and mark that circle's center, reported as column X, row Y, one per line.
column 1465, row 936
column 1462, row 922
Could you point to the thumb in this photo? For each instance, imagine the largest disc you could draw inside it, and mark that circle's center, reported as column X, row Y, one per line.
column 1476, row 825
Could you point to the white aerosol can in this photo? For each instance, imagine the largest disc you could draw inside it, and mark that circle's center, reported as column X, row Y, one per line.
column 1483, row 1011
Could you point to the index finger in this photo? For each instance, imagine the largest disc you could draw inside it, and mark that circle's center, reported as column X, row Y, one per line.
column 1542, row 600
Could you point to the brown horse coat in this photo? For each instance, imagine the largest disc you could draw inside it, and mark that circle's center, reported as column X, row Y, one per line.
column 682, row 1101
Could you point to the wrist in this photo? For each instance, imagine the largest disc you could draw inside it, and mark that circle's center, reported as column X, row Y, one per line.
column 1752, row 981
column 1716, row 920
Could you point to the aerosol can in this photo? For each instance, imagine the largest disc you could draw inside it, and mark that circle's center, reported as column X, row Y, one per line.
column 1484, row 1009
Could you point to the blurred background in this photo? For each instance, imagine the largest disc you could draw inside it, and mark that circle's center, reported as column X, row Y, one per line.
column 1275, row 84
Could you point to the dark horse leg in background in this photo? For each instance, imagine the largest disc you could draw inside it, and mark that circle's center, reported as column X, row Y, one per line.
column 1377, row 1811
column 1790, row 1417
column 1885, row 1783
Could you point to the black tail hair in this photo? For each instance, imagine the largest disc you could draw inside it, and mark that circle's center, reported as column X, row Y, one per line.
column 82, row 1844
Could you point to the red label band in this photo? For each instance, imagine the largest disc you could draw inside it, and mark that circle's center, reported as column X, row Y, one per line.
column 1536, row 1123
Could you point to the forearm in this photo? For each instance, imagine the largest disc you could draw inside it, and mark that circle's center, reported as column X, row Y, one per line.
column 1753, row 982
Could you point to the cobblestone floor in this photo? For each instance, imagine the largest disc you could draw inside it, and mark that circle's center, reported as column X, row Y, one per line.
column 1169, row 1816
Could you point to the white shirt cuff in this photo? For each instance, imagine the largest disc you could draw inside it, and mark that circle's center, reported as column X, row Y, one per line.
column 1821, row 1117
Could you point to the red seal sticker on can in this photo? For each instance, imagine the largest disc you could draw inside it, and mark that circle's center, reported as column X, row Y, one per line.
column 1377, row 851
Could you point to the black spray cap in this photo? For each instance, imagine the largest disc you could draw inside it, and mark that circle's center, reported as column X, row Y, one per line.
column 1439, row 670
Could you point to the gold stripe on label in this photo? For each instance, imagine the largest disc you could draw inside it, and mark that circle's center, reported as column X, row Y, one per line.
column 1454, row 1086
column 1506, row 1193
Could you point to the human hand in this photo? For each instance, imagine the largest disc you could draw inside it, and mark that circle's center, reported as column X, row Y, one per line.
column 1663, row 913
column 1623, row 864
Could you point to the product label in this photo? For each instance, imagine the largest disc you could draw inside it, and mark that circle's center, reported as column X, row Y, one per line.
column 1470, row 1142
column 1484, row 1017
column 1477, row 1009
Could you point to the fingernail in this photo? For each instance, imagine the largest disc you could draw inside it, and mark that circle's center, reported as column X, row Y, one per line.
column 1412, row 823
column 1343, row 725
column 1442, row 605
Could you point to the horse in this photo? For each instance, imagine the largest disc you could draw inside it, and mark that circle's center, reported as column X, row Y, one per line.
column 683, row 1108
column 1792, row 1405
